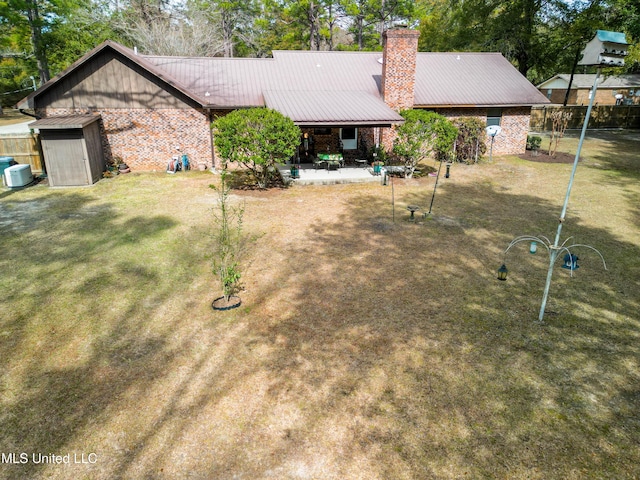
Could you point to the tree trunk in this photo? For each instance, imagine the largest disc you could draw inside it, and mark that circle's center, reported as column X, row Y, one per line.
column 573, row 71
column 36, row 39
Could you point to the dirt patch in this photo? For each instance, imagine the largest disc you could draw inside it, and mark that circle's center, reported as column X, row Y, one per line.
column 543, row 157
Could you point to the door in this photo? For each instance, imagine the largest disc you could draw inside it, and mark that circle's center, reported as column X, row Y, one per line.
column 349, row 137
column 65, row 158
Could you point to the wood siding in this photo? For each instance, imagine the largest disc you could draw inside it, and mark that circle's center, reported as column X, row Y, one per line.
column 110, row 80
column 74, row 157
column 24, row 148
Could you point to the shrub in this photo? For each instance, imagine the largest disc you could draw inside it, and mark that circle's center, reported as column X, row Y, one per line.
column 423, row 133
column 533, row 142
column 256, row 138
column 471, row 142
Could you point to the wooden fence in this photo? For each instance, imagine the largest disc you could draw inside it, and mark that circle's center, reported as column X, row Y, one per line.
column 604, row 116
column 24, row 148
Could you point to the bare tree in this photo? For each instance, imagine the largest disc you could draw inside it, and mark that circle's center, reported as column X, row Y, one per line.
column 560, row 120
column 172, row 34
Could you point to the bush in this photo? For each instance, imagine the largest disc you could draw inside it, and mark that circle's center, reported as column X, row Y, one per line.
column 423, row 133
column 533, row 142
column 258, row 139
column 471, row 142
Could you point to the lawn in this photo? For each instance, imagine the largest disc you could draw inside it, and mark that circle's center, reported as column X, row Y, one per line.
column 364, row 348
column 10, row 117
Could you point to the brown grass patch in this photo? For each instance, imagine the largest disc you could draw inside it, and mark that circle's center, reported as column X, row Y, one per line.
column 364, row 348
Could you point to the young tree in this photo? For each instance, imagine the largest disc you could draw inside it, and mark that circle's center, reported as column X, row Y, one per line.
column 423, row 134
column 559, row 121
column 229, row 241
column 256, row 138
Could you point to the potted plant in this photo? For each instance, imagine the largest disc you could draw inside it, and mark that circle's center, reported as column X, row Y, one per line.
column 378, row 158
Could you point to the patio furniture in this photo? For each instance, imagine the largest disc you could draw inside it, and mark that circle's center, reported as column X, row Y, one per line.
column 331, row 160
column 361, row 162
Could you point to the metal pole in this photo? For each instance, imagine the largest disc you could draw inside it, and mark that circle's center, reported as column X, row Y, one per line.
column 434, row 188
column 555, row 248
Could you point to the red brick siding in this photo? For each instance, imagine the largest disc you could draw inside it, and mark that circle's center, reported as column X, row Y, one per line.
column 399, row 68
column 512, row 140
column 146, row 139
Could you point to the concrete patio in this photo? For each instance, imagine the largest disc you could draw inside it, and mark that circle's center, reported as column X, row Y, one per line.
column 308, row 175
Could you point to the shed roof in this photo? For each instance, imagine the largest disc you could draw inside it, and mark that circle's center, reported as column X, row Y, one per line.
column 64, row 122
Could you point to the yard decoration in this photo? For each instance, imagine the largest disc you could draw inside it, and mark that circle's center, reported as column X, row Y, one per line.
column 229, row 245
column 258, row 139
column 423, row 134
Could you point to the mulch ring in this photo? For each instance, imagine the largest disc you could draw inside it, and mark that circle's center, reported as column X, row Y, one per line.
column 543, row 157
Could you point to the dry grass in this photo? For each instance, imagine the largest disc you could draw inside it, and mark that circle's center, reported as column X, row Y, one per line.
column 10, row 117
column 364, row 348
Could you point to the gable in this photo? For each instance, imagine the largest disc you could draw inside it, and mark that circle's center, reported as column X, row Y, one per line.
column 111, row 80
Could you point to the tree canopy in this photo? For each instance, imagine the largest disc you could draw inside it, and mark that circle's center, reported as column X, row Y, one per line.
column 256, row 138
column 39, row 38
column 423, row 134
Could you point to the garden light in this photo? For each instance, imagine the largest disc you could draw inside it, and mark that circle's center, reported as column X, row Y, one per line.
column 502, row 272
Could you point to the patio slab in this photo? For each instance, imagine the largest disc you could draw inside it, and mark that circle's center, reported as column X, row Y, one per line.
column 310, row 176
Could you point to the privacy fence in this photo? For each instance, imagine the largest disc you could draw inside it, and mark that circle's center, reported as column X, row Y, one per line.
column 24, row 148
column 605, row 116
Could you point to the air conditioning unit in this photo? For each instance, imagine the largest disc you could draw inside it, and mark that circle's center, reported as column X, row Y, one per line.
column 18, row 176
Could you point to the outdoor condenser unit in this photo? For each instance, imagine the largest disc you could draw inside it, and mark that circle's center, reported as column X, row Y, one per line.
column 18, row 176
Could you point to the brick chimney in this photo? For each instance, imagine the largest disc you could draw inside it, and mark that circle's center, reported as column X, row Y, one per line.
column 399, row 67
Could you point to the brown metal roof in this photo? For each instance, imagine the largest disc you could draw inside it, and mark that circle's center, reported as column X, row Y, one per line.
column 320, row 108
column 64, row 122
column 442, row 79
column 28, row 102
column 471, row 79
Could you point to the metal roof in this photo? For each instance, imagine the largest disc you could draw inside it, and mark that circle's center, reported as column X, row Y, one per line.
column 471, row 79
column 64, row 122
column 581, row 80
column 442, row 79
column 320, row 108
column 28, row 101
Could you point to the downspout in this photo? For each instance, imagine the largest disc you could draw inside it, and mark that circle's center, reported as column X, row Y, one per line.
column 24, row 112
column 213, row 151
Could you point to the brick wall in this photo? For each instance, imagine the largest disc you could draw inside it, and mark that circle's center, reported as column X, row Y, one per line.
column 146, row 139
column 512, row 140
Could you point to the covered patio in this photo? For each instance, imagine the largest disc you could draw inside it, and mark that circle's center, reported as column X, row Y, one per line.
column 309, row 175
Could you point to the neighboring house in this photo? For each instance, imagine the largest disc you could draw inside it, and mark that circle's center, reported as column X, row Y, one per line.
column 153, row 107
column 612, row 90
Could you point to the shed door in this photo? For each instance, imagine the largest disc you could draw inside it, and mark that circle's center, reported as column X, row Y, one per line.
column 65, row 158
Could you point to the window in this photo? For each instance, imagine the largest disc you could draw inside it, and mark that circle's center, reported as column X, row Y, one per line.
column 494, row 116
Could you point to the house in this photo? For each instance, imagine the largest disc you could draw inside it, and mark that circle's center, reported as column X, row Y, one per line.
column 612, row 90
column 154, row 107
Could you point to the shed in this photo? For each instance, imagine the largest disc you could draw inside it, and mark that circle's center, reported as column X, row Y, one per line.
column 72, row 149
